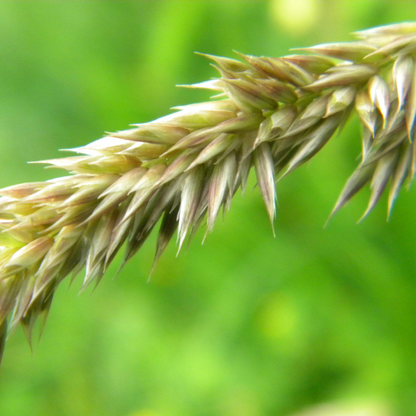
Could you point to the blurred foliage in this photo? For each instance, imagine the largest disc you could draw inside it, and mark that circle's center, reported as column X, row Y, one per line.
column 248, row 324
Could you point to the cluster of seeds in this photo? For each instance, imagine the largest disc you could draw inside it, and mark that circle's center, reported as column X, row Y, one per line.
column 272, row 114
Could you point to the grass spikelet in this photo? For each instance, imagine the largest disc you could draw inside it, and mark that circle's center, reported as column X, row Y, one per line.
column 271, row 114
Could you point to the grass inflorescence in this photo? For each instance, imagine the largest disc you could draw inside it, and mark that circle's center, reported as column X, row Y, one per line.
column 270, row 114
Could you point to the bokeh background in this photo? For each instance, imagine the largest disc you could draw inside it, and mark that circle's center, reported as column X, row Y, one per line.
column 315, row 321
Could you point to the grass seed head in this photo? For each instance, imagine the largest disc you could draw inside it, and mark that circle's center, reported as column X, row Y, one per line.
column 273, row 114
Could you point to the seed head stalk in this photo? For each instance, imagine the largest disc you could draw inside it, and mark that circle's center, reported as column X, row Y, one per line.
column 273, row 114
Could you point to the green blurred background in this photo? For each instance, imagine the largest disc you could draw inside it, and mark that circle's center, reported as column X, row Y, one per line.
column 247, row 324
